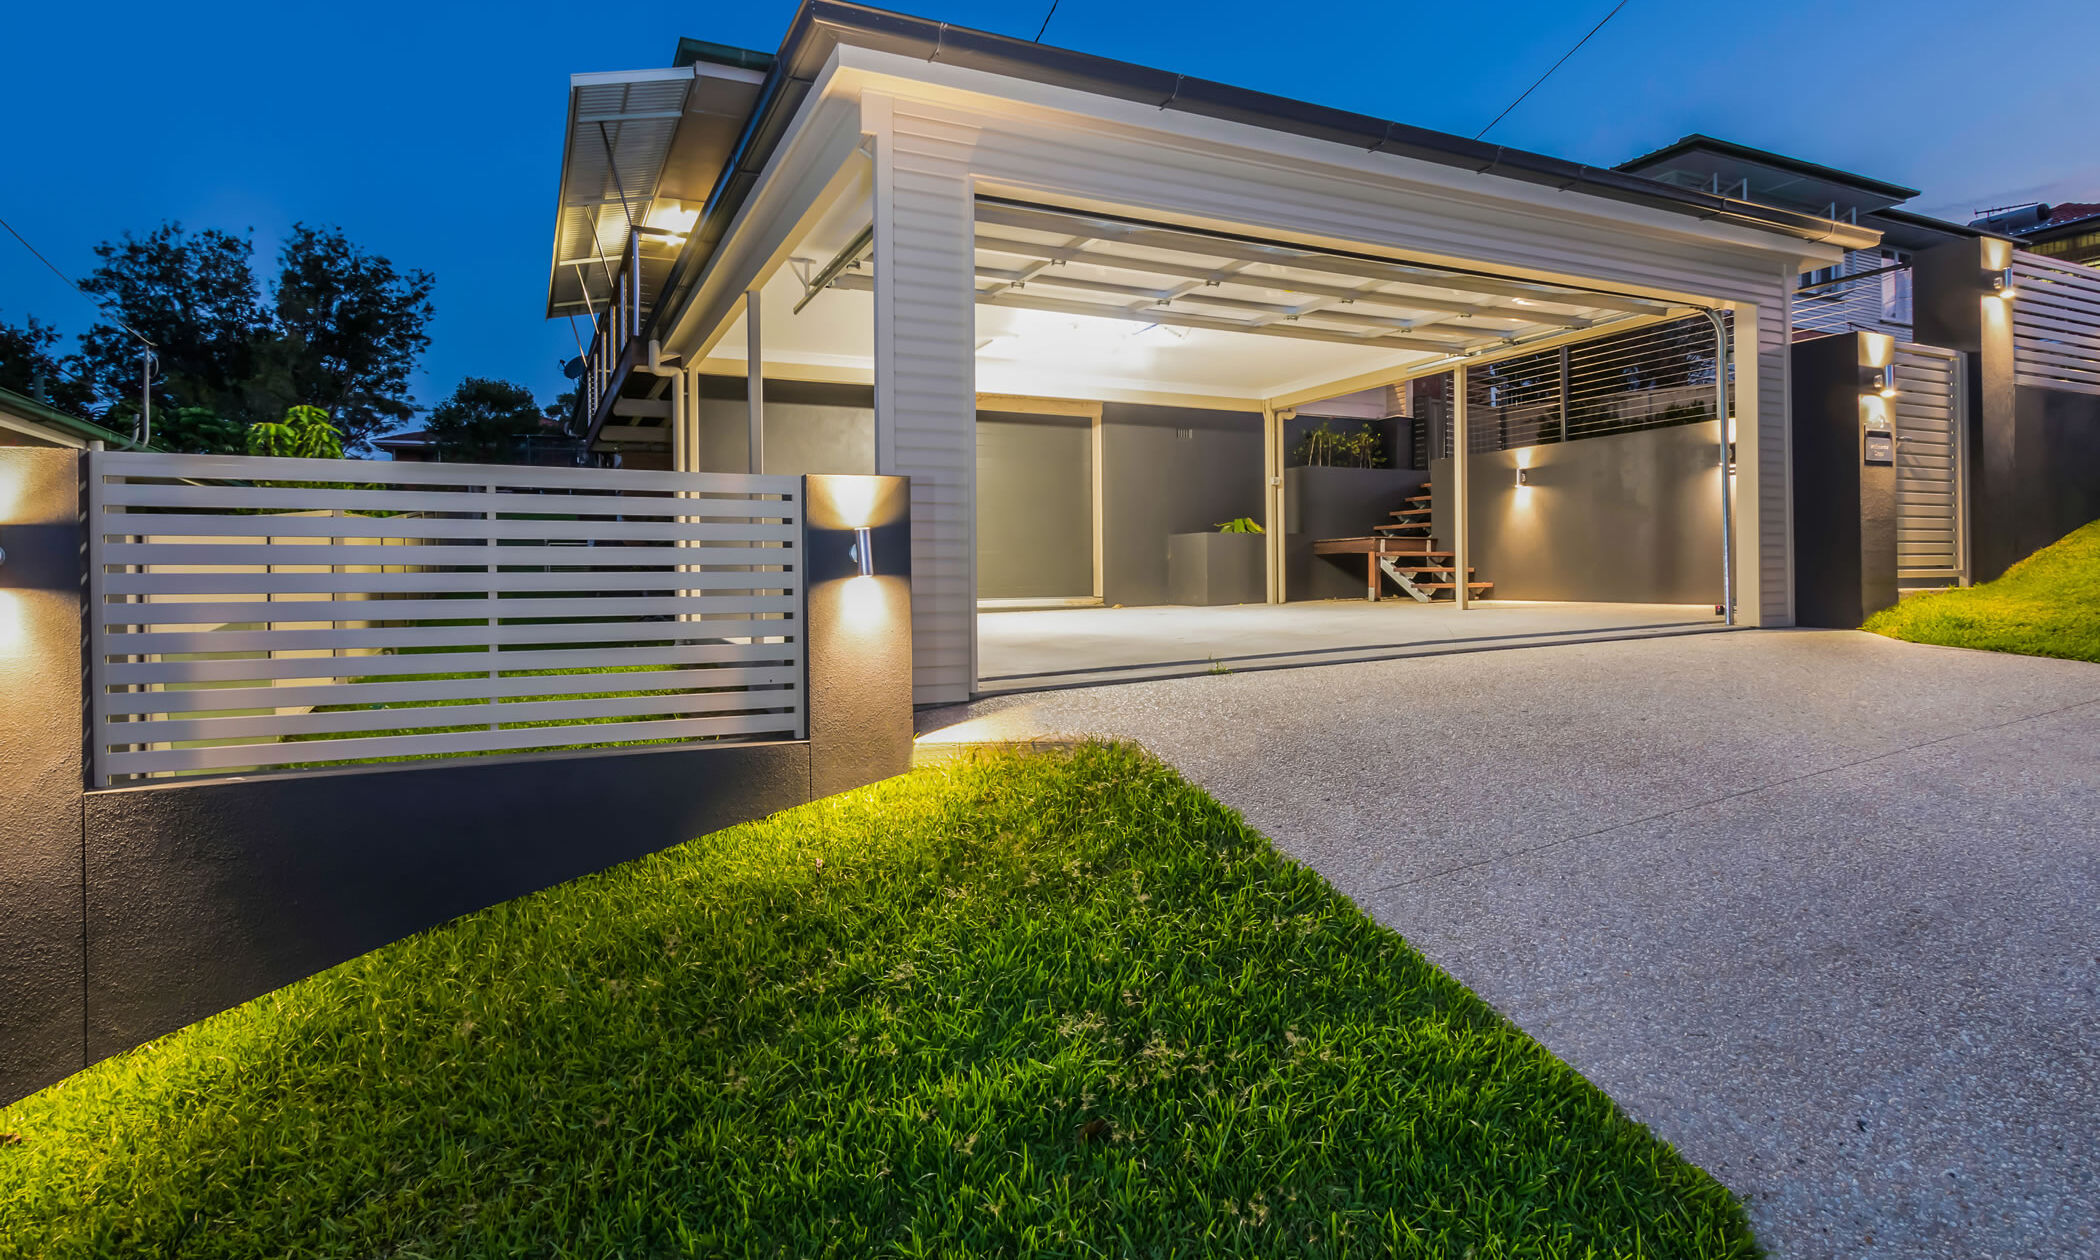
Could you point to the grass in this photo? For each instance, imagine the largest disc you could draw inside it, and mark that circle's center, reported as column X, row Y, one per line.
column 1051, row 1004
column 2046, row 605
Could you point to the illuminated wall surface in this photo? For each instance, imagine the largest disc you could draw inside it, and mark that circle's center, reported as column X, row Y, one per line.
column 133, row 911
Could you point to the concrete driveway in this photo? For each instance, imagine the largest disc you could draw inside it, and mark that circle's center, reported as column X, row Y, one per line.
column 1821, row 909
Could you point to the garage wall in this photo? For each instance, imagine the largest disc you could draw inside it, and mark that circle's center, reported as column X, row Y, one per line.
column 810, row 428
column 1169, row 470
column 1630, row 518
column 1035, row 506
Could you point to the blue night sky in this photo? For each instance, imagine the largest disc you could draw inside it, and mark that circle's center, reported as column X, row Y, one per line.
column 431, row 132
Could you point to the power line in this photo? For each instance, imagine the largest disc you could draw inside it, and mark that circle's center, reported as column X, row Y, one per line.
column 1046, row 21
column 1550, row 69
column 76, row 288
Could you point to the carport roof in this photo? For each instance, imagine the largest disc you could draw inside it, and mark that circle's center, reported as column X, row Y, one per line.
column 822, row 25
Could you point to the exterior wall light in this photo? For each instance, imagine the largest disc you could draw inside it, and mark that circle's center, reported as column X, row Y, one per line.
column 1880, row 381
column 2003, row 285
column 1523, row 476
column 862, row 553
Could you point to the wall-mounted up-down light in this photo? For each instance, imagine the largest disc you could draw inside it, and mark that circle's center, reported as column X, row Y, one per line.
column 862, row 553
column 1523, row 476
column 2003, row 284
column 1878, row 381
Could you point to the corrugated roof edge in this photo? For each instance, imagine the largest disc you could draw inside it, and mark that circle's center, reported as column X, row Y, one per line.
column 821, row 25
column 30, row 409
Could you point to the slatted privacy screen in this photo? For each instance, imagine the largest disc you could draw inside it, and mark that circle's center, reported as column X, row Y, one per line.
column 1646, row 378
column 2056, row 324
column 258, row 614
column 1927, row 413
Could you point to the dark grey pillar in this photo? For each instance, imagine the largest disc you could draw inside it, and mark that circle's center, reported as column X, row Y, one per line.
column 1844, row 490
column 1951, row 310
column 860, row 656
column 42, row 1023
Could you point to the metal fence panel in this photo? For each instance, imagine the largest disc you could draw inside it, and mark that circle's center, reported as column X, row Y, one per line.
column 265, row 614
column 1928, row 416
column 2056, row 324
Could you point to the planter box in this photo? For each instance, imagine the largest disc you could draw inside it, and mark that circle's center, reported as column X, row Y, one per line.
column 1212, row 568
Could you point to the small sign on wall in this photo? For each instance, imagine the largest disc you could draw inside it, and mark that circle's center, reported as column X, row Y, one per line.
column 1880, row 447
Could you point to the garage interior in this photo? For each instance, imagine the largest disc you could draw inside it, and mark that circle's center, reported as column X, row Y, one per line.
column 1141, row 385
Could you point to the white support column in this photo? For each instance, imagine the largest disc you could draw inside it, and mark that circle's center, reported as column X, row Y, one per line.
column 926, row 382
column 1461, row 497
column 1272, row 499
column 1759, row 496
column 755, row 381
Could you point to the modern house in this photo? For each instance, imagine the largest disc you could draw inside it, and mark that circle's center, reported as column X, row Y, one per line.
column 1093, row 310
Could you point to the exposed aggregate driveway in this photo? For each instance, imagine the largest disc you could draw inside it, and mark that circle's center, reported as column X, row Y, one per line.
column 1820, row 908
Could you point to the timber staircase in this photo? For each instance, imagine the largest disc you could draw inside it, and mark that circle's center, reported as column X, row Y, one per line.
column 1404, row 551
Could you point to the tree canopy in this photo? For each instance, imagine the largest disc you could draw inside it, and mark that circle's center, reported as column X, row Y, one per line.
column 341, row 329
column 486, row 421
column 29, row 367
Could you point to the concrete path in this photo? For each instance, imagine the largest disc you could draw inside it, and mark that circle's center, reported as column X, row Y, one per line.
column 1820, row 908
column 1041, row 649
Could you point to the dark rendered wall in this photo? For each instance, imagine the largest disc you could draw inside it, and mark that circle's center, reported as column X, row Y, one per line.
column 2056, row 437
column 1844, row 508
column 1170, row 470
column 41, row 748
column 1035, row 506
column 1337, row 503
column 197, row 896
column 1630, row 518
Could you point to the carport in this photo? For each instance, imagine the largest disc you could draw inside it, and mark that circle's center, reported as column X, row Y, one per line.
column 1094, row 310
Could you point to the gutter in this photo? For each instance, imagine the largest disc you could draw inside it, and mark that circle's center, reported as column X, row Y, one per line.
column 822, row 25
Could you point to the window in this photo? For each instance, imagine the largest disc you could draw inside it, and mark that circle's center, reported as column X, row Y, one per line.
column 1895, row 287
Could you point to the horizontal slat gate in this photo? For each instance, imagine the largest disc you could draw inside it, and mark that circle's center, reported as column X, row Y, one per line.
column 2056, row 324
column 1928, row 411
column 257, row 614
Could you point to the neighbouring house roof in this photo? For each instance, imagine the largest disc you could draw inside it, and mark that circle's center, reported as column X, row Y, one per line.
column 820, row 26
column 38, row 419
column 1699, row 161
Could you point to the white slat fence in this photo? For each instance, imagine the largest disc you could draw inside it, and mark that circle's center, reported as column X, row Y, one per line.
column 2056, row 324
column 256, row 614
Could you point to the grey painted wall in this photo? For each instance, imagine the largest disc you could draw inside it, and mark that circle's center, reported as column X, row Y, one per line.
column 1630, row 518
column 1035, row 506
column 41, row 751
column 1170, row 470
column 1337, row 503
column 809, row 428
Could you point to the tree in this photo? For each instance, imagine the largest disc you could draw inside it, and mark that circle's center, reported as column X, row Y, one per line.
column 198, row 431
column 30, row 368
column 342, row 329
column 349, row 329
column 304, row 433
column 484, row 421
column 195, row 298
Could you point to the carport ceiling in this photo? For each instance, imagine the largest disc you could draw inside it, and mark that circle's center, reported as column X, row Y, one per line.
column 1072, row 304
column 1068, row 263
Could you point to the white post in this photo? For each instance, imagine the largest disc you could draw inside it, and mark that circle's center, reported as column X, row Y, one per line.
column 1272, row 499
column 1461, row 498
column 755, row 381
column 926, row 384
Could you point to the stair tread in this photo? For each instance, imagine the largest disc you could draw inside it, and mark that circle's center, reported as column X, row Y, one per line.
column 1409, row 511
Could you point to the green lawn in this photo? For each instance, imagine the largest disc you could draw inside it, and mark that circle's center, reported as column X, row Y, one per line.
column 1050, row 1004
column 2046, row 605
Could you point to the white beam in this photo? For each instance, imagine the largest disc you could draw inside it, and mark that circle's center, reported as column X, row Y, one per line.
column 1461, row 496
